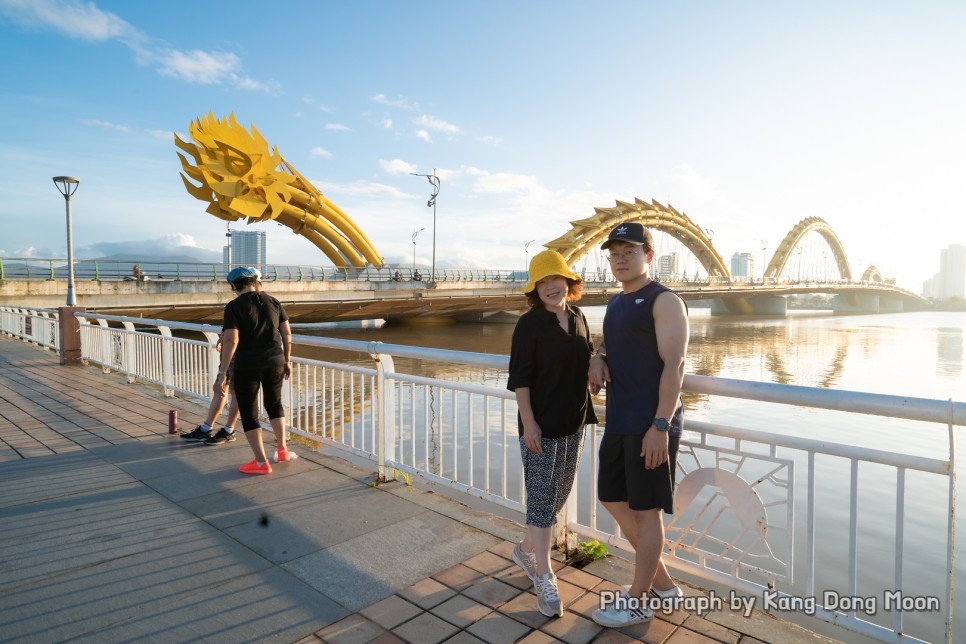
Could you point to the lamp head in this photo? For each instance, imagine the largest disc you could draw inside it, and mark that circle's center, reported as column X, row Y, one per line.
column 66, row 185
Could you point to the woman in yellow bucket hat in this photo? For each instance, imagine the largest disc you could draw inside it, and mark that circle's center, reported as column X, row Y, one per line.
column 549, row 360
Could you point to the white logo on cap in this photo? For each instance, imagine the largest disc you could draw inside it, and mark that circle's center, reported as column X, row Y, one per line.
column 621, row 230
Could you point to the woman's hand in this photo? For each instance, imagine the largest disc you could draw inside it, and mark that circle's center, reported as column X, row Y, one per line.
column 287, row 370
column 220, row 388
column 532, row 436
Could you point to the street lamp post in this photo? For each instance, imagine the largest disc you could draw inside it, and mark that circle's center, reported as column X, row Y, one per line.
column 415, row 232
column 67, row 186
column 526, row 255
column 433, row 181
column 228, row 235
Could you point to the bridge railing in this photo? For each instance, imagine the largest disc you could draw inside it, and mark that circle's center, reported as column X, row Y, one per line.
column 36, row 326
column 34, row 269
column 753, row 509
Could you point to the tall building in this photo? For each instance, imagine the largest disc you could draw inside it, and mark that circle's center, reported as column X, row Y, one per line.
column 247, row 248
column 667, row 266
column 950, row 281
column 952, row 268
column 742, row 265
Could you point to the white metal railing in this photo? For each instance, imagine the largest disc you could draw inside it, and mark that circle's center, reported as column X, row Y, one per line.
column 745, row 515
column 37, row 326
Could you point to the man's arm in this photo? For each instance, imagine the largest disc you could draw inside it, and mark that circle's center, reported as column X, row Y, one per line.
column 285, row 330
column 672, row 330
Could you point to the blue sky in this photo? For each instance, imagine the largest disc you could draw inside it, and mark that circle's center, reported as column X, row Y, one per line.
column 747, row 116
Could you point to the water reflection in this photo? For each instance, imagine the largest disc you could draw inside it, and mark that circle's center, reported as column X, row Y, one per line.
column 901, row 354
column 949, row 351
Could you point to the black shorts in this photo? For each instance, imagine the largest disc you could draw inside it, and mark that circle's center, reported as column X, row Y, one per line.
column 228, row 373
column 621, row 475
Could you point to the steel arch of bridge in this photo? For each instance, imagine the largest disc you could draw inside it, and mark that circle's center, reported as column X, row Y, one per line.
column 872, row 274
column 810, row 224
column 587, row 234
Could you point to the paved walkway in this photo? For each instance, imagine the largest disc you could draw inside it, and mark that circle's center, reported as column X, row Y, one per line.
column 111, row 530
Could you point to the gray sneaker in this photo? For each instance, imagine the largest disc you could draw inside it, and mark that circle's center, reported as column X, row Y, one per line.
column 527, row 561
column 548, row 600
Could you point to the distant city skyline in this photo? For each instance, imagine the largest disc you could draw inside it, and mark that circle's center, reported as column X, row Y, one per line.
column 743, row 265
column 950, row 281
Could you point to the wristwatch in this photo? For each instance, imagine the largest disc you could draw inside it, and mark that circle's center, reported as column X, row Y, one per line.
column 662, row 424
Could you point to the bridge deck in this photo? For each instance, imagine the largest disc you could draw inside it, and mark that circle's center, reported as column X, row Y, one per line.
column 113, row 530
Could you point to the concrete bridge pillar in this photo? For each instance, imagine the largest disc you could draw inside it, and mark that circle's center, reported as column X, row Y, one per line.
column 856, row 303
column 772, row 305
column 890, row 305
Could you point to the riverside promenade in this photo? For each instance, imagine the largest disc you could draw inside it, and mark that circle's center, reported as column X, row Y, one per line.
column 112, row 530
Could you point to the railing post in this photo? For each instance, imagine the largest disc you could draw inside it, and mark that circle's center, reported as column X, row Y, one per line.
column 213, row 355
column 69, row 334
column 563, row 536
column 129, row 359
column 385, row 412
column 105, row 356
column 167, row 362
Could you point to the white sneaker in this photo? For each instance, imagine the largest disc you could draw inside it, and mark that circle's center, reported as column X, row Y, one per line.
column 669, row 594
column 632, row 611
column 527, row 561
column 668, row 597
column 548, row 600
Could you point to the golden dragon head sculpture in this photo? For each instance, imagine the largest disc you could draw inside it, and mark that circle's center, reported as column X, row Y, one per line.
column 241, row 179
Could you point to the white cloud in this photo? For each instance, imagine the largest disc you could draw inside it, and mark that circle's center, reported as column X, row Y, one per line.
column 162, row 135
column 387, row 124
column 105, row 125
column 490, row 140
column 84, row 21
column 338, row 127
column 399, row 101
column 33, row 251
column 424, row 135
column 436, row 124
column 325, row 108
column 321, row 152
column 169, row 244
column 363, row 189
column 197, row 66
column 397, row 166
column 245, row 82
column 503, row 182
column 71, row 18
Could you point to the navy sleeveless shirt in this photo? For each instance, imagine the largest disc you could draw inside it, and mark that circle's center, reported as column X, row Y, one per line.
column 634, row 362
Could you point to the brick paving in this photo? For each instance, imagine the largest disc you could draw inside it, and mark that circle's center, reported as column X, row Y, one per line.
column 53, row 411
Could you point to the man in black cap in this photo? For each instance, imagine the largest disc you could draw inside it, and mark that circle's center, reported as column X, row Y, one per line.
column 641, row 362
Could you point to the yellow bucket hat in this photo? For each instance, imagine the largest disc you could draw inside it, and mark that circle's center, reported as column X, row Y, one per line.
column 545, row 264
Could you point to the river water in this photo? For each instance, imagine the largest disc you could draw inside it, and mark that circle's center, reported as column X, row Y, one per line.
column 904, row 354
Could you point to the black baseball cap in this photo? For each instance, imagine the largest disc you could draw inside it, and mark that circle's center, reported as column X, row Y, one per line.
column 629, row 233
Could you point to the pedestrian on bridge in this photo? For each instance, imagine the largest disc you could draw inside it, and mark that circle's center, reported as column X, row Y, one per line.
column 641, row 362
column 257, row 335
column 227, row 433
column 549, row 360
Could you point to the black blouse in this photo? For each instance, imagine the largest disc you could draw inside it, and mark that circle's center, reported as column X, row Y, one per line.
column 553, row 364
